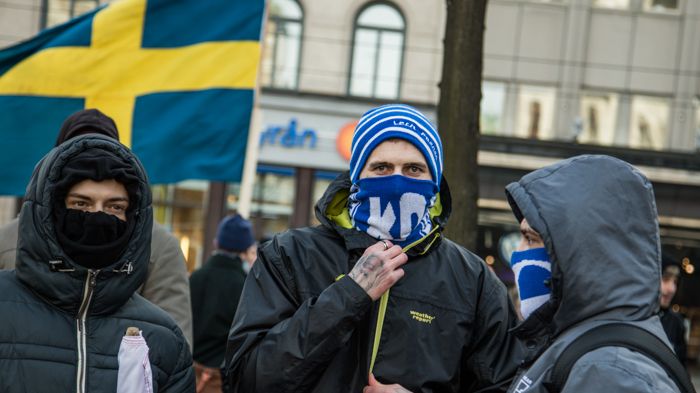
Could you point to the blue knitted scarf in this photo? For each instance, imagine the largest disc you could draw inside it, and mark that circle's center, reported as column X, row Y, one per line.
column 395, row 208
column 533, row 270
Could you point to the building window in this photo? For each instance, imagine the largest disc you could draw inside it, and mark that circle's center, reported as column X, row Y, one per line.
column 180, row 208
column 377, row 52
column 535, row 112
column 280, row 63
column 615, row 4
column 492, row 101
column 649, row 123
column 661, row 5
column 273, row 200
column 597, row 116
column 59, row 11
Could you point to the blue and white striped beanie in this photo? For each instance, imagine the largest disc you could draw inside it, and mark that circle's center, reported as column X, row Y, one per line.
column 395, row 121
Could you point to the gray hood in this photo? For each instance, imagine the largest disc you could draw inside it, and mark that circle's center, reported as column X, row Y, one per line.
column 42, row 264
column 597, row 217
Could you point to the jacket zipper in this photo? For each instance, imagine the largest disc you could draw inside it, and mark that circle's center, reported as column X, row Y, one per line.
column 384, row 301
column 378, row 328
column 80, row 322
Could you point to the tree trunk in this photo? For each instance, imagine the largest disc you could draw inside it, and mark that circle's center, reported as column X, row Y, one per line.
column 458, row 113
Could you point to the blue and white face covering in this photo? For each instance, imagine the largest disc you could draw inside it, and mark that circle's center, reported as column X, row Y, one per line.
column 395, row 208
column 532, row 269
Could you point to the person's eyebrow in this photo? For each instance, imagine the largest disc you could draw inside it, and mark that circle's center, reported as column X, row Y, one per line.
column 118, row 199
column 87, row 198
column 79, row 196
column 419, row 164
column 529, row 231
column 378, row 163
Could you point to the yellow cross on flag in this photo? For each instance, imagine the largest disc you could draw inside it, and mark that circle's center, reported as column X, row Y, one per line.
column 176, row 76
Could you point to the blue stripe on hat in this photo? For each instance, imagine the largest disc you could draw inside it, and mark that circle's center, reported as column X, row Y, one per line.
column 395, row 121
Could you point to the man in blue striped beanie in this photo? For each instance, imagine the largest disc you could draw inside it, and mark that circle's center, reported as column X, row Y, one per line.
column 391, row 200
column 374, row 299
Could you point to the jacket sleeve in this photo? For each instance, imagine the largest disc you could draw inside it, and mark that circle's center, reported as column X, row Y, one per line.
column 181, row 379
column 495, row 353
column 167, row 285
column 680, row 346
column 278, row 343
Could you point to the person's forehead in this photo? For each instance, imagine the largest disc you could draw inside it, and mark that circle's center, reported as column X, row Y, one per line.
column 109, row 187
column 525, row 227
column 396, row 150
column 671, row 271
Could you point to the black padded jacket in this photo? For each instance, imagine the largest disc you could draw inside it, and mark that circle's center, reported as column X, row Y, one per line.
column 62, row 324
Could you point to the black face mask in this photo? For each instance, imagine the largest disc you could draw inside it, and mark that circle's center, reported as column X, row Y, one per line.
column 93, row 240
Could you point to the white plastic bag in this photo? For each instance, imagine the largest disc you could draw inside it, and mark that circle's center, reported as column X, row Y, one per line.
column 134, row 367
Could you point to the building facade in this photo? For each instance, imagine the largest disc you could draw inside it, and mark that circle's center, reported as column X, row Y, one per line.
column 561, row 77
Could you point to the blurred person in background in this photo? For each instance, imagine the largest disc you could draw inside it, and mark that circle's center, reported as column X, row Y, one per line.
column 672, row 321
column 216, row 288
column 166, row 284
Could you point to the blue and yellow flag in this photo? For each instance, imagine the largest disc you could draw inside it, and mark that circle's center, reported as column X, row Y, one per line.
column 178, row 78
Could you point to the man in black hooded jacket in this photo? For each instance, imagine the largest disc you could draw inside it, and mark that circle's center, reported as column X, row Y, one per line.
column 83, row 248
column 374, row 298
column 166, row 283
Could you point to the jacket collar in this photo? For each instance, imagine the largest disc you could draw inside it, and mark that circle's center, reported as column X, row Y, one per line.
column 224, row 260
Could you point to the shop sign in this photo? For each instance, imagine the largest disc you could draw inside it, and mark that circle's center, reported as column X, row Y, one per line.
column 290, row 136
column 343, row 141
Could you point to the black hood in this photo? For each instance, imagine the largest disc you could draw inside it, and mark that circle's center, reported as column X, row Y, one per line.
column 43, row 265
column 87, row 121
column 597, row 217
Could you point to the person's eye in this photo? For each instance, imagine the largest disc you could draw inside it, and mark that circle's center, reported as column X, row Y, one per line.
column 79, row 204
column 118, row 208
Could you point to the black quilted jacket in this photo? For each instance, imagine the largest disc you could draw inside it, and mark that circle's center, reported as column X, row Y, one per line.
column 62, row 324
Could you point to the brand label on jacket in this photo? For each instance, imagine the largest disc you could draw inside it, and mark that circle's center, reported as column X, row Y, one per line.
column 422, row 317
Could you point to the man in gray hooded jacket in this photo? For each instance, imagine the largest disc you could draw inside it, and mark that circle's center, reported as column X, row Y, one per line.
column 591, row 221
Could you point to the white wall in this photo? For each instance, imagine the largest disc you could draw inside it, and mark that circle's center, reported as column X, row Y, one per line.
column 19, row 19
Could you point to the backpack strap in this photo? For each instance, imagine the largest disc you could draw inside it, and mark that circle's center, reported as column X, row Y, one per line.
column 619, row 335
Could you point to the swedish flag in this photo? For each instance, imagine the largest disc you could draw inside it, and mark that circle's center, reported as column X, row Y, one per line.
column 178, row 78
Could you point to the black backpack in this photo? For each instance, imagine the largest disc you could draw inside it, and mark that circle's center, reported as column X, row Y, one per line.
column 619, row 335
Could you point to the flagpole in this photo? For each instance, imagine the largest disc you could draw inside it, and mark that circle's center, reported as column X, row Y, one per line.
column 245, row 197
